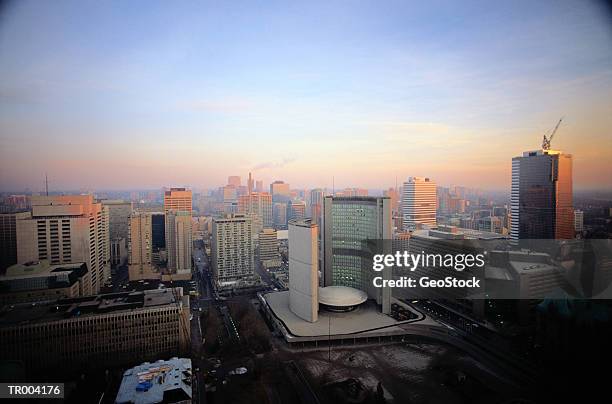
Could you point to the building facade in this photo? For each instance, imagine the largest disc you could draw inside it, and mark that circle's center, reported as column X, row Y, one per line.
column 118, row 222
column 101, row 331
column 346, row 223
column 178, row 235
column 258, row 203
column 269, row 255
column 39, row 281
column 8, row 238
column 303, row 269
column 541, row 198
column 140, row 246
column 419, row 203
column 67, row 229
column 232, row 248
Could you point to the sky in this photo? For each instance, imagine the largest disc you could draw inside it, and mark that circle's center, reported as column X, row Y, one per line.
column 145, row 94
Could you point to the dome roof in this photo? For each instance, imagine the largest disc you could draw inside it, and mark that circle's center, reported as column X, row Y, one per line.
column 341, row 296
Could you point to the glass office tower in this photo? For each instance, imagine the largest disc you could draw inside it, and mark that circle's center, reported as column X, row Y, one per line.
column 346, row 222
column 541, row 199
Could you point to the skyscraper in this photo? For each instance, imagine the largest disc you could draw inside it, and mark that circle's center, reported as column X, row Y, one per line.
column 140, row 247
column 232, row 249
column 258, row 203
column 8, row 238
column 541, row 199
column 303, row 269
column 296, row 210
column 279, row 212
column 118, row 222
column 419, row 203
column 280, row 191
column 316, row 203
column 233, row 180
column 67, row 229
column 178, row 208
column 178, row 200
column 179, row 241
column 346, row 223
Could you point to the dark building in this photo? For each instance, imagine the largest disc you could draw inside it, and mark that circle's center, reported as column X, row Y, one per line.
column 158, row 230
column 541, row 200
column 8, row 238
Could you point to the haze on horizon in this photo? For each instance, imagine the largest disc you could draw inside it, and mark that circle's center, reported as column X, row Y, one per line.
column 143, row 94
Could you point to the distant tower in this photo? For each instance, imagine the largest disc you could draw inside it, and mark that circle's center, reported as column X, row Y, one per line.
column 250, row 184
column 419, row 200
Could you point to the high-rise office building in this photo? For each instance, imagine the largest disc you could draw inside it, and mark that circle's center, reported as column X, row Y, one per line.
column 179, row 242
column 346, row 223
column 232, row 249
column 258, row 203
column 269, row 255
column 259, row 187
column 316, row 204
column 280, row 191
column 541, row 198
column 118, row 222
column 178, row 209
column 419, row 203
column 279, row 212
column 296, row 210
column 233, row 180
column 8, row 238
column 178, row 200
column 303, row 269
column 140, row 247
column 67, row 229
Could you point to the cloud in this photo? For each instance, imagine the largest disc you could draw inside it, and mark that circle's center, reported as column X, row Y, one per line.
column 273, row 164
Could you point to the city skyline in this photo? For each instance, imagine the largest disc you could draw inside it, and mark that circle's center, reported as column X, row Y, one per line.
column 186, row 97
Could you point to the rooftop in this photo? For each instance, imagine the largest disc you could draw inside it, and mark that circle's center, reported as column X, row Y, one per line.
column 341, row 296
column 40, row 275
column 163, row 381
column 86, row 306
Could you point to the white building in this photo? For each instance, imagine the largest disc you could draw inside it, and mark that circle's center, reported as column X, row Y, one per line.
column 232, row 249
column 303, row 272
column 67, row 229
column 419, row 201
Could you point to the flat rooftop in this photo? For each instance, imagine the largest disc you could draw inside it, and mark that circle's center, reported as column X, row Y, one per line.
column 162, row 381
column 86, row 306
column 366, row 320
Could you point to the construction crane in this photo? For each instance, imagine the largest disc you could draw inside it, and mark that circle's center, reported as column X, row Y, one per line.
column 546, row 140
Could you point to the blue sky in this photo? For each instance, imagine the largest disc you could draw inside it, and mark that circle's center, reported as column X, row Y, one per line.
column 132, row 94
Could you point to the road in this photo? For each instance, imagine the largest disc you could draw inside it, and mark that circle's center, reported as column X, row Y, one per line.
column 201, row 276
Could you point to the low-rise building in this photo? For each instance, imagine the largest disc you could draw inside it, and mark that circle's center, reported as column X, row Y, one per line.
column 96, row 332
column 39, row 281
column 158, row 382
